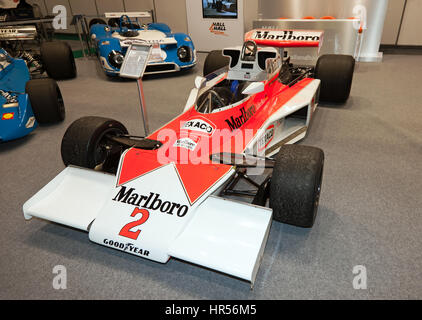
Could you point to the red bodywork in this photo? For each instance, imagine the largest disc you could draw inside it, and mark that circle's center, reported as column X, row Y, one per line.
column 196, row 172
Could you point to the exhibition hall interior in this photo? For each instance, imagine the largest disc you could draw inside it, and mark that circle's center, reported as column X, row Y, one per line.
column 210, row 149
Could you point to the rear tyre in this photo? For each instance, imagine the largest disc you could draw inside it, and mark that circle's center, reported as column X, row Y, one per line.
column 58, row 60
column 336, row 73
column 85, row 142
column 296, row 185
column 46, row 100
column 214, row 61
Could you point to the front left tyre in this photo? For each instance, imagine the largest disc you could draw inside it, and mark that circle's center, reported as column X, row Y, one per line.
column 58, row 60
column 86, row 143
column 46, row 100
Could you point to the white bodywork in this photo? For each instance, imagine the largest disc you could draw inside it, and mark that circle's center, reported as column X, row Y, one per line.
column 216, row 233
column 149, row 36
column 254, row 73
column 279, row 130
column 158, row 55
column 135, row 14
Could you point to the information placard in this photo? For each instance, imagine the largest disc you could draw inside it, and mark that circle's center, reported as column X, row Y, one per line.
column 135, row 60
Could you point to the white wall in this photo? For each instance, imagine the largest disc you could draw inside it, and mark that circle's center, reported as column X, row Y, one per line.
column 138, row 5
column 109, row 6
column 392, row 21
column 410, row 32
column 173, row 13
column 94, row 7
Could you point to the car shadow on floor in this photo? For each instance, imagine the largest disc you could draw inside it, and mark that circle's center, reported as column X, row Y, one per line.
column 7, row 146
column 156, row 76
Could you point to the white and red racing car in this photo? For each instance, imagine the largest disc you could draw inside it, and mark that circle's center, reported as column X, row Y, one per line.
column 171, row 194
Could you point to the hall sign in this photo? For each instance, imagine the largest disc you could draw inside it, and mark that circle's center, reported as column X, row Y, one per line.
column 218, row 28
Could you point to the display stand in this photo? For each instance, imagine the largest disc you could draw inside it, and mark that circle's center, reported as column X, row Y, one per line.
column 133, row 67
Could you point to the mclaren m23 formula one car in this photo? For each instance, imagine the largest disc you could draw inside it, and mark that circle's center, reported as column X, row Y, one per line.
column 27, row 96
column 170, row 51
column 171, row 194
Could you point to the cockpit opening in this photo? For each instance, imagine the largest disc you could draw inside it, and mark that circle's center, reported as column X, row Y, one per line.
column 226, row 93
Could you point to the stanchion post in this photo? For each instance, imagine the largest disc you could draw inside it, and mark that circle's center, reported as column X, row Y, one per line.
column 133, row 66
column 143, row 108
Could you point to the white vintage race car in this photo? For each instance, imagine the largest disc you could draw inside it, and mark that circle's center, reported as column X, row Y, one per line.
column 168, row 195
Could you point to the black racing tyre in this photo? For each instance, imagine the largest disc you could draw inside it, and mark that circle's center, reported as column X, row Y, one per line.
column 46, row 100
column 214, row 61
column 58, row 60
column 114, row 22
column 296, row 185
column 336, row 73
column 96, row 21
column 84, row 141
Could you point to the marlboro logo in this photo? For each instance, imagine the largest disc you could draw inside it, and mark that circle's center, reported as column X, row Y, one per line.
column 237, row 122
column 152, row 201
column 286, row 35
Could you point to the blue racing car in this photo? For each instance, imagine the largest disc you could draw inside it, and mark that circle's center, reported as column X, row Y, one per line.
column 27, row 96
column 170, row 51
column 25, row 102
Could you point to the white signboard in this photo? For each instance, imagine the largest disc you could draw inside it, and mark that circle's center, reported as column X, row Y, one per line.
column 144, row 14
column 135, row 60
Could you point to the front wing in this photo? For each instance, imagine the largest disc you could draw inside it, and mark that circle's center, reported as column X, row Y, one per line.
column 153, row 219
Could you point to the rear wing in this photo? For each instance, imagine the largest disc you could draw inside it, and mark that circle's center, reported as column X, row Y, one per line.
column 18, row 33
column 285, row 38
column 138, row 14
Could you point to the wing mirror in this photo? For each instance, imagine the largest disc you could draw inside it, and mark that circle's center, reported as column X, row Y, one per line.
column 199, row 82
column 254, row 87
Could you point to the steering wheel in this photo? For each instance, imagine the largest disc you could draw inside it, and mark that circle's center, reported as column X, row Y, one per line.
column 126, row 22
column 218, row 99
